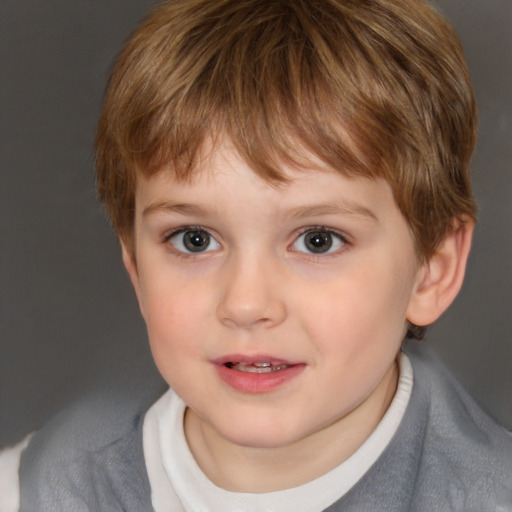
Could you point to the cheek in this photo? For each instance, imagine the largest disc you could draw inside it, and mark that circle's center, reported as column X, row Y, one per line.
column 366, row 305
column 169, row 295
column 174, row 319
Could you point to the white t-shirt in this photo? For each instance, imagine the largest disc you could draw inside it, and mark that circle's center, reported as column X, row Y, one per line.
column 9, row 480
column 179, row 485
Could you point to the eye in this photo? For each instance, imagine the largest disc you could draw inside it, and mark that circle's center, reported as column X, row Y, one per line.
column 193, row 241
column 319, row 241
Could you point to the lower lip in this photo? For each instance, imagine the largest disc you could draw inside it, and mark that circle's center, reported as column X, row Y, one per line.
column 258, row 382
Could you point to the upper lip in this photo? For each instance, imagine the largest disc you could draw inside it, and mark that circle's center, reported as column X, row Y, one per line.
column 251, row 359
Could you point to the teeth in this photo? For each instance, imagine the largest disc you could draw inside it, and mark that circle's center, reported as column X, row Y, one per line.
column 254, row 369
column 257, row 367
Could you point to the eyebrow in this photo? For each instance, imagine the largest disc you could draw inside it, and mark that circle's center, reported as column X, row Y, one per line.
column 344, row 208
column 170, row 207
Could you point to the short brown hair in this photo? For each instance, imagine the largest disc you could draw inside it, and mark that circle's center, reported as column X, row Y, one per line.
column 374, row 88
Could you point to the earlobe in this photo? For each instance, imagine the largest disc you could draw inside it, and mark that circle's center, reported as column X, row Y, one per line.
column 440, row 278
column 131, row 267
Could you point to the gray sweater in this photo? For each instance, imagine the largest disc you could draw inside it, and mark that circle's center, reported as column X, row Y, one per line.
column 447, row 455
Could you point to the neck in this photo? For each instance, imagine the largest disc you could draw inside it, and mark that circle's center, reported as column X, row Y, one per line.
column 257, row 470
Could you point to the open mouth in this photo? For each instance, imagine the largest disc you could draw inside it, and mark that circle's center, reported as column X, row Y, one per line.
column 256, row 373
column 265, row 367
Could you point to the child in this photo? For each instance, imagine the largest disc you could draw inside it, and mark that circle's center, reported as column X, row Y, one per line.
column 289, row 181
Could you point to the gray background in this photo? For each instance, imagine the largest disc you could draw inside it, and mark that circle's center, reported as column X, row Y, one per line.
column 69, row 321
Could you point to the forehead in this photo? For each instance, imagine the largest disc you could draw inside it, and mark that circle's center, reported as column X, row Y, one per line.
column 223, row 182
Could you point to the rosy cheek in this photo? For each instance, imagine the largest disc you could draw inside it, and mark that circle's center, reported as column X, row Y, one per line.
column 172, row 316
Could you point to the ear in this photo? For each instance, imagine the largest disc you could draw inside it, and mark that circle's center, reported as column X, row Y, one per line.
column 131, row 267
column 440, row 278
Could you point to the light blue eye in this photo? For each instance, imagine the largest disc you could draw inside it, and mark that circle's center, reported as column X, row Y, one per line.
column 319, row 241
column 194, row 241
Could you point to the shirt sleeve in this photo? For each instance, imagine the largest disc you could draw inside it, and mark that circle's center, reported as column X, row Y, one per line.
column 9, row 478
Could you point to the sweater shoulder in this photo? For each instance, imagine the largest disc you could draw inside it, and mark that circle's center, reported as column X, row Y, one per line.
column 465, row 451
column 88, row 457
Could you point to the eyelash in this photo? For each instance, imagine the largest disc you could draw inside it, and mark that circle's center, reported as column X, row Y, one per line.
column 342, row 238
column 185, row 229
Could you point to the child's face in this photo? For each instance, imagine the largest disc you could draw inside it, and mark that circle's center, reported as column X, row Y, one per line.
column 314, row 277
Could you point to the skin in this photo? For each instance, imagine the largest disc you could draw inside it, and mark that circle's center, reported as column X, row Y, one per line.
column 257, row 291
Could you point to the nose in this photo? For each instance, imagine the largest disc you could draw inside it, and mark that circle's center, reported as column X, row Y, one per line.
column 251, row 296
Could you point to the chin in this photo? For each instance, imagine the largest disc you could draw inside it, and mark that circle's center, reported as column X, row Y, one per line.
column 259, row 434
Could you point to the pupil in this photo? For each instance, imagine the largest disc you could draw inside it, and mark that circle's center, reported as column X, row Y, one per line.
column 318, row 241
column 196, row 241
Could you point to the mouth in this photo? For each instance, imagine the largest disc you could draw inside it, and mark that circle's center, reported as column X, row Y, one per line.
column 256, row 373
column 264, row 367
